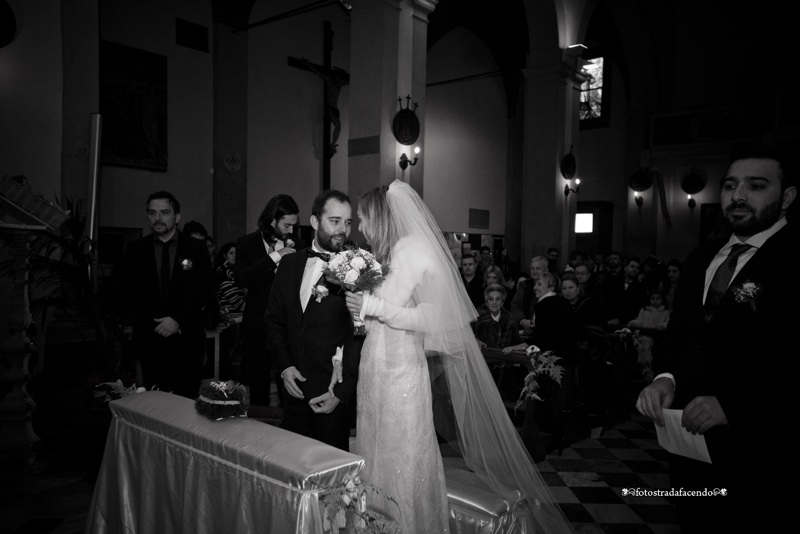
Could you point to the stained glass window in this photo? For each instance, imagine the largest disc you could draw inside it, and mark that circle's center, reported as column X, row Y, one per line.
column 591, row 106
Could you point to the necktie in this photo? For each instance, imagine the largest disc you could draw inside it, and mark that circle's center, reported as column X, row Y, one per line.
column 165, row 273
column 722, row 278
column 314, row 254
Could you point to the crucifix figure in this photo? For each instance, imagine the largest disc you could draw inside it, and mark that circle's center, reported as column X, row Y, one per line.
column 334, row 78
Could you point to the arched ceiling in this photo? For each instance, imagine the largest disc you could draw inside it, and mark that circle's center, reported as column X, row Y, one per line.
column 502, row 26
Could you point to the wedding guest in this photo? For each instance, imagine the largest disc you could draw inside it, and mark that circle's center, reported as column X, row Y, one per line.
column 230, row 296
column 719, row 359
column 258, row 255
column 624, row 294
column 167, row 279
column 589, row 286
column 495, row 327
column 493, row 275
column 552, row 261
column 472, row 282
column 650, row 276
column 554, row 329
column 654, row 316
column 524, row 299
column 670, row 282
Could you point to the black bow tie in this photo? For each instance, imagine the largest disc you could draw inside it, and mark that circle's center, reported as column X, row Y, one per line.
column 321, row 255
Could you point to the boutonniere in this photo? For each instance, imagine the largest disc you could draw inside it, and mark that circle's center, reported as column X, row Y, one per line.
column 289, row 242
column 186, row 264
column 747, row 293
column 319, row 292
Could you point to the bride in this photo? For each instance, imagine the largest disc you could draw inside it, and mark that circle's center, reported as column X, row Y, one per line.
column 422, row 313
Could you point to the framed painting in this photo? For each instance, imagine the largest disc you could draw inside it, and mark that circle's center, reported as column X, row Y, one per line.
column 133, row 104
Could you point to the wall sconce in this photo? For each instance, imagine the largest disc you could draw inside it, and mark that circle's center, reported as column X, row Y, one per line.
column 637, row 197
column 692, row 183
column 567, row 189
column 405, row 162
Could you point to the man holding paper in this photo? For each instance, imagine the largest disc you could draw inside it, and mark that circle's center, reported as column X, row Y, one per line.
column 721, row 357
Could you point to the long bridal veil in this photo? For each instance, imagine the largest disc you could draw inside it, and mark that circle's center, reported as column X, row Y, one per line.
column 484, row 434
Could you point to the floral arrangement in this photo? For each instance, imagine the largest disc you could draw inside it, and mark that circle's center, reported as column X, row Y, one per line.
column 542, row 363
column 319, row 292
column 186, row 264
column 747, row 293
column 355, row 269
column 117, row 390
column 349, row 496
column 221, row 400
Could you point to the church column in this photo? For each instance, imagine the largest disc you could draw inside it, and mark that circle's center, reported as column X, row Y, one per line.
column 551, row 127
column 388, row 60
column 230, row 56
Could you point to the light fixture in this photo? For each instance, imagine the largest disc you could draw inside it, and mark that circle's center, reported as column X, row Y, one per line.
column 405, row 162
column 568, row 190
column 638, row 198
column 692, row 183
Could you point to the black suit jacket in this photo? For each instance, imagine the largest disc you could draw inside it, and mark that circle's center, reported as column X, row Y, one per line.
column 255, row 271
column 191, row 287
column 309, row 340
column 740, row 355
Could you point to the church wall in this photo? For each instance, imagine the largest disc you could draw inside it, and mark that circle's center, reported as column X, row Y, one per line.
column 150, row 25
column 286, row 105
column 466, row 148
column 31, row 81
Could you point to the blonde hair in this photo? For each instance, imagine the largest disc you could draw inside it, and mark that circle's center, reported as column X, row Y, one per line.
column 377, row 224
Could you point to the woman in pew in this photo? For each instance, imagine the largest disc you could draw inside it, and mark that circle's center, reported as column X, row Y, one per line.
column 420, row 319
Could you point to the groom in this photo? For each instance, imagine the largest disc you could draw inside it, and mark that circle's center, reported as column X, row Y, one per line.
column 306, row 328
column 722, row 356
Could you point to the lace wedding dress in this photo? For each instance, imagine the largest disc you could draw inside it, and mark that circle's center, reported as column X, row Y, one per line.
column 395, row 431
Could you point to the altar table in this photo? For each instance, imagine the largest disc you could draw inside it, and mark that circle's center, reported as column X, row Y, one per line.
column 168, row 469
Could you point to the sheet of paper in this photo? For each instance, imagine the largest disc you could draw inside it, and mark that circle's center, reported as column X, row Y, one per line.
column 677, row 440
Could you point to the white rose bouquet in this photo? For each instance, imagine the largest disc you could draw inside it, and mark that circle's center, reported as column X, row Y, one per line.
column 355, row 269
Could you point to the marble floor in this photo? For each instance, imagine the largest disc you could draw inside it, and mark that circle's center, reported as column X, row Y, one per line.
column 593, row 481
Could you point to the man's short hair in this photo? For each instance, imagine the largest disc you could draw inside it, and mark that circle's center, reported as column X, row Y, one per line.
column 788, row 175
column 277, row 208
column 319, row 203
column 166, row 195
column 632, row 258
column 495, row 287
column 468, row 257
column 550, row 280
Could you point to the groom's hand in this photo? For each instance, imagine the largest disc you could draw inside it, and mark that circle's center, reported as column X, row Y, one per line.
column 289, row 376
column 325, row 403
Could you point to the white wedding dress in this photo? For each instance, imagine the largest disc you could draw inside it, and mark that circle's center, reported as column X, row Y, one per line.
column 423, row 308
column 395, row 432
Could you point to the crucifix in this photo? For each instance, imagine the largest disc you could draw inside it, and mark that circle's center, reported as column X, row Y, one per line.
column 334, row 79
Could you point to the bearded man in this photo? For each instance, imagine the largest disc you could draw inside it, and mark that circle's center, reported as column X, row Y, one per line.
column 308, row 327
column 720, row 359
column 258, row 255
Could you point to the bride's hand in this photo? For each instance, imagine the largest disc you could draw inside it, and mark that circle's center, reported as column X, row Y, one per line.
column 336, row 376
column 354, row 301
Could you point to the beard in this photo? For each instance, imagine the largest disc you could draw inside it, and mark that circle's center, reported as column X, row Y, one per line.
column 326, row 241
column 271, row 234
column 756, row 221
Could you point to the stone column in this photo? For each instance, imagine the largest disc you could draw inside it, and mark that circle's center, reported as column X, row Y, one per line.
column 388, row 61
column 551, row 127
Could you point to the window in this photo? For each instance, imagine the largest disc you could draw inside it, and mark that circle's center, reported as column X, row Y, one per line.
column 592, row 90
column 584, row 223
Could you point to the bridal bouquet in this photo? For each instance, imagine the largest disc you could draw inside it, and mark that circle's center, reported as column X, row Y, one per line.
column 357, row 270
column 541, row 363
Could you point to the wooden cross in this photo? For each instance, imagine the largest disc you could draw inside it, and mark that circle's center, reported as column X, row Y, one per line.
column 335, row 78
